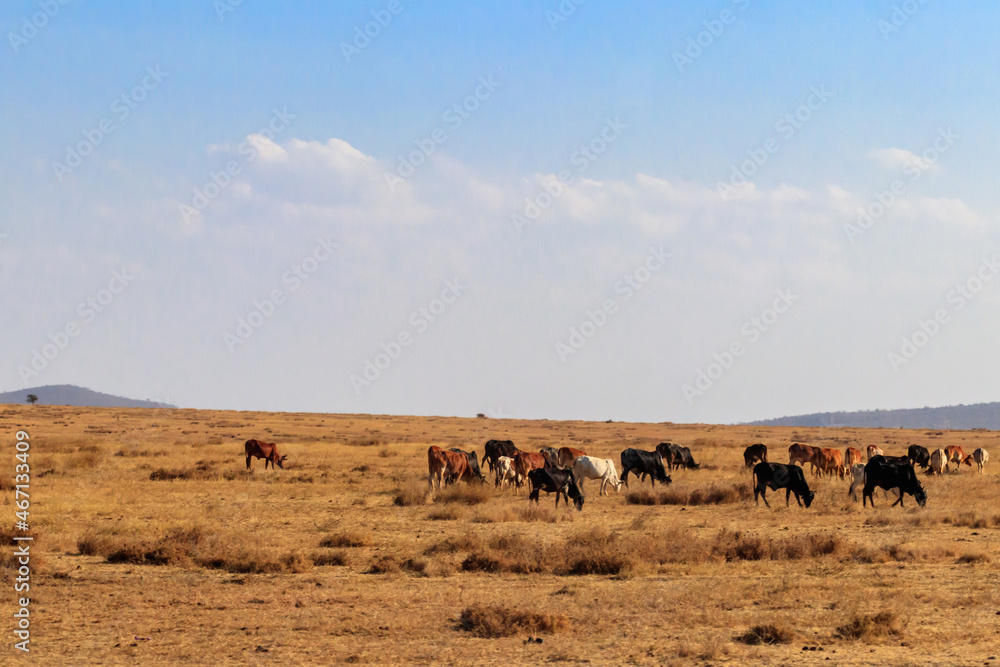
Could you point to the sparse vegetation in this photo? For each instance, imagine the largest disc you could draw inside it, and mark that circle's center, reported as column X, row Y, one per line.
column 490, row 621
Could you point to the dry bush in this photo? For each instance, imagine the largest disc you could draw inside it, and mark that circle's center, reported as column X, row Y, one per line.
column 640, row 497
column 534, row 512
column 490, row 621
column 870, row 627
column 465, row 494
column 495, row 514
column 329, row 558
column 201, row 471
column 713, row 495
column 461, row 542
column 389, row 564
column 735, row 546
column 347, row 538
column 366, row 441
column 409, row 495
column 973, row 557
column 771, row 633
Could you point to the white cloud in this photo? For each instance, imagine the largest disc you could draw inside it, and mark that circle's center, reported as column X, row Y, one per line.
column 898, row 158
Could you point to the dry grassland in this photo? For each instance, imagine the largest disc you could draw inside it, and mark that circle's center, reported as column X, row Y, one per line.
column 154, row 546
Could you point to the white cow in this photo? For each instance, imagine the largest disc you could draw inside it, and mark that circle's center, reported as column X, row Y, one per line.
column 858, row 482
column 591, row 467
column 981, row 457
column 505, row 471
column 939, row 461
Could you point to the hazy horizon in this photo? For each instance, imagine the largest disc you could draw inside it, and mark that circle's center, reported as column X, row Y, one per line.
column 641, row 212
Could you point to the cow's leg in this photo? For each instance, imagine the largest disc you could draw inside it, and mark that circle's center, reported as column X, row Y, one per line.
column 248, row 462
column 899, row 501
column 797, row 499
column 788, row 493
column 763, row 495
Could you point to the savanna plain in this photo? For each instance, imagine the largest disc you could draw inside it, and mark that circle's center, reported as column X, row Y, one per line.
column 154, row 545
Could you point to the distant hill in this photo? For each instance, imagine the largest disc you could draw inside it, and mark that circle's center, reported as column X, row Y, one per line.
column 960, row 417
column 67, row 394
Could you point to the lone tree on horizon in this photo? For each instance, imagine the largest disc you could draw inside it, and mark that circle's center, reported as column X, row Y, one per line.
column 32, row 398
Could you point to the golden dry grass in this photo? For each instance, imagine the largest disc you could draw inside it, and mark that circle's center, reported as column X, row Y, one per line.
column 148, row 526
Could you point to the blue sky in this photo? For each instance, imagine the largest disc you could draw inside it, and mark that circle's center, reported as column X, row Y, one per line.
column 885, row 107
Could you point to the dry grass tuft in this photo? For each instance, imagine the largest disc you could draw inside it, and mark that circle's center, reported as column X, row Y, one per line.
column 389, row 564
column 347, row 538
column 490, row 621
column 330, row 558
column 973, row 557
column 715, row 494
column 870, row 627
column 465, row 494
column 462, row 542
column 408, row 496
column 770, row 633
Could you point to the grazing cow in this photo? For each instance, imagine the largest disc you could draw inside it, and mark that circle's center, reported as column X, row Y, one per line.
column 591, row 467
column 753, row 453
column 505, row 471
column 938, row 462
column 474, row 472
column 981, row 457
column 830, row 462
column 955, row 455
column 882, row 473
column 781, row 476
column 874, row 450
column 858, row 482
column 852, row 456
column 445, row 467
column 558, row 481
column 919, row 456
column 640, row 462
column 551, row 455
column 567, row 456
column 803, row 454
column 497, row 448
column 525, row 462
column 264, row 450
column 675, row 456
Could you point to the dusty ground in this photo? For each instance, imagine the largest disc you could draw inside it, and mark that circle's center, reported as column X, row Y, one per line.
column 341, row 557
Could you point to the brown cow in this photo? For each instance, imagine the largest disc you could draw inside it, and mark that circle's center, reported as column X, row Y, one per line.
column 264, row 450
column 956, row 455
column 874, row 450
column 524, row 462
column 803, row 454
column 569, row 455
column 852, row 456
column 444, row 467
column 830, row 462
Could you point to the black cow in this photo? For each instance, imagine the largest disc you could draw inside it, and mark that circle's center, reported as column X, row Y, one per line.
column 497, row 448
column 558, row 481
column 474, row 474
column 641, row 462
column 919, row 456
column 781, row 476
column 753, row 453
column 883, row 473
column 675, row 456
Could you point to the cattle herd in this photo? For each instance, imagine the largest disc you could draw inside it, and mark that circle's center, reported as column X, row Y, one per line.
column 563, row 471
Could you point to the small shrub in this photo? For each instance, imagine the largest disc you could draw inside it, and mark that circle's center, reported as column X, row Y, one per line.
column 490, row 621
column 871, row 626
column 642, row 497
column 329, row 558
column 388, row 564
column 408, row 496
column 767, row 634
column 447, row 513
column 463, row 542
column 350, row 539
column 970, row 558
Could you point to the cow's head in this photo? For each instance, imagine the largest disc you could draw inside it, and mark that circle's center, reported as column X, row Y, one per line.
column 280, row 460
column 807, row 497
column 921, row 496
column 574, row 492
